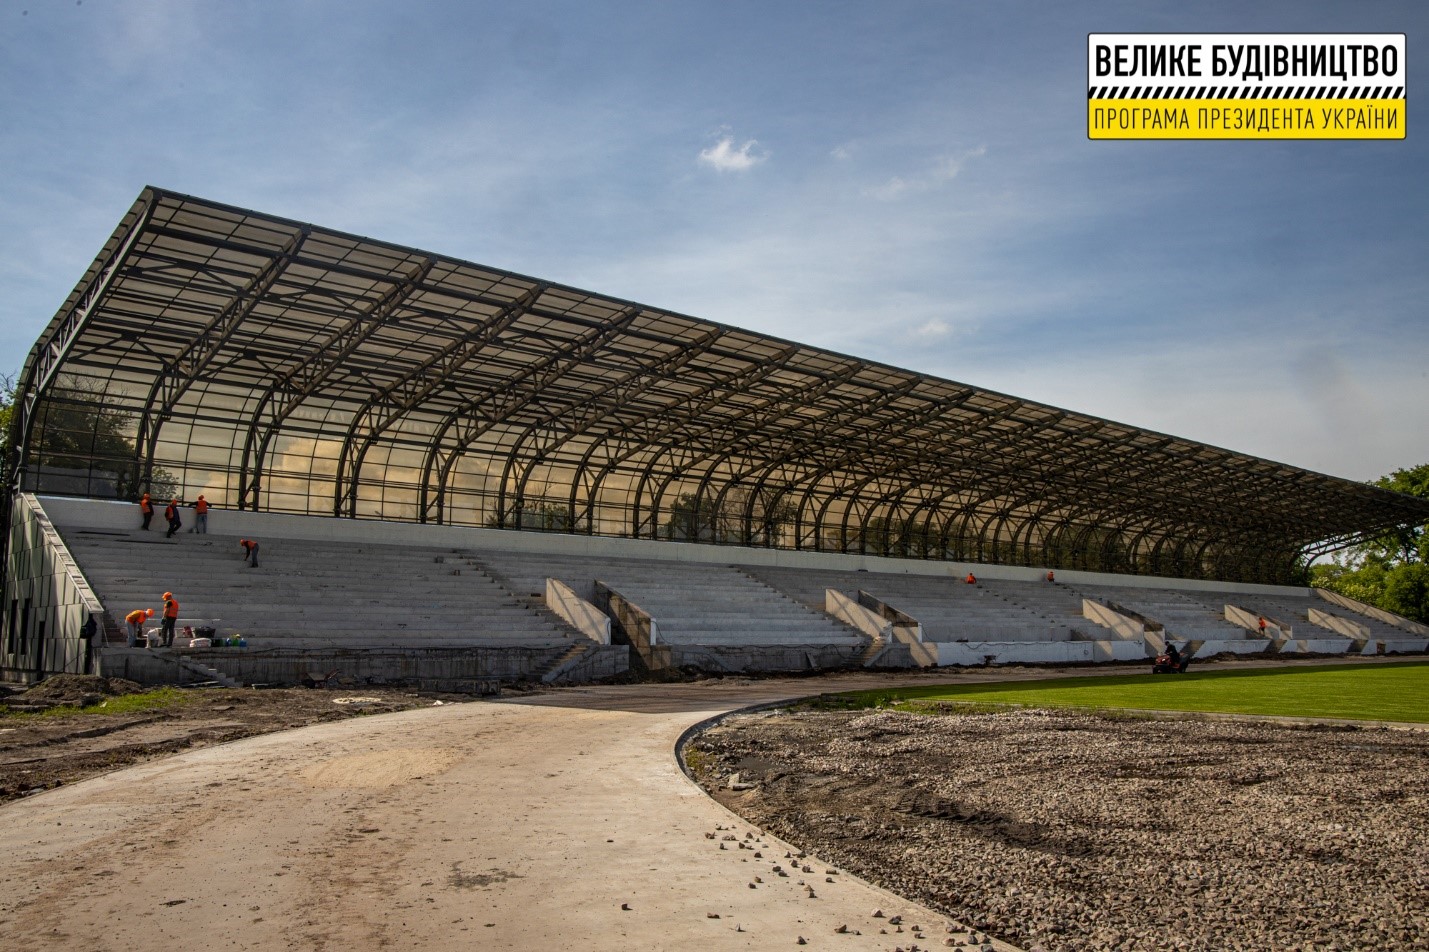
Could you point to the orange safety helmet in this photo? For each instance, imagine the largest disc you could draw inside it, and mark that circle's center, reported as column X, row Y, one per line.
column 168, row 595
column 148, row 613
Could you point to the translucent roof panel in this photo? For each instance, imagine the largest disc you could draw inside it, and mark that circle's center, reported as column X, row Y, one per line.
column 277, row 365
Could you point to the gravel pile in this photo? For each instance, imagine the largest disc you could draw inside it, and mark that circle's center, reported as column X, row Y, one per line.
column 1075, row 831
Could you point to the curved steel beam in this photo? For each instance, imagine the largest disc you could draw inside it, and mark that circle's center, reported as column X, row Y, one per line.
column 604, row 402
column 383, row 409
column 500, row 403
column 49, row 354
column 186, row 367
column 306, row 378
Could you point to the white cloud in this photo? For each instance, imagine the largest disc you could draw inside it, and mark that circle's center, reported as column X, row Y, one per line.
column 944, row 170
column 725, row 157
column 889, row 190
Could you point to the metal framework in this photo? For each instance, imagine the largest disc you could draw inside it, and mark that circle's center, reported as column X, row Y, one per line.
column 276, row 365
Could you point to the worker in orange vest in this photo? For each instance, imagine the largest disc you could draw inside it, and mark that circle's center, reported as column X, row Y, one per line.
column 971, row 579
column 135, row 620
column 171, row 513
column 250, row 551
column 1051, row 577
column 200, row 516
column 171, row 616
column 146, row 508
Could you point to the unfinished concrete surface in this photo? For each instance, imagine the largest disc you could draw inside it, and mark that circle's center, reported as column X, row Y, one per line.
column 558, row 822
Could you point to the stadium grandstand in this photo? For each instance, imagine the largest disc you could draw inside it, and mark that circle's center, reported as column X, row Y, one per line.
column 462, row 475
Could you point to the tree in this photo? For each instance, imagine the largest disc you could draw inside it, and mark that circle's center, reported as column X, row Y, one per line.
column 7, row 413
column 695, row 519
column 78, row 435
column 1390, row 571
column 710, row 518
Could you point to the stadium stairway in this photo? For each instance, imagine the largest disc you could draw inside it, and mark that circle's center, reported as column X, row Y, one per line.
column 948, row 608
column 1227, row 621
column 693, row 604
column 1315, row 623
column 1183, row 615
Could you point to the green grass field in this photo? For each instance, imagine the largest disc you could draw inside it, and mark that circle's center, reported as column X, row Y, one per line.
column 1374, row 692
column 119, row 704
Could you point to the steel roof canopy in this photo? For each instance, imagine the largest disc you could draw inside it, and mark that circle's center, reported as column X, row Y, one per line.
column 273, row 364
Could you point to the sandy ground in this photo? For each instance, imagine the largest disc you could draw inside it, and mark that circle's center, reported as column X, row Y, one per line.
column 40, row 753
column 560, row 821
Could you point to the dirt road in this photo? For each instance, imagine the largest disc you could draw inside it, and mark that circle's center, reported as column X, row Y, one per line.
column 561, row 820
column 557, row 822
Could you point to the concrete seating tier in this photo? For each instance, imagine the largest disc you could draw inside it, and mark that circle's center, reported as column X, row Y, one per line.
column 1189, row 615
column 1296, row 613
column 308, row 593
column 1055, row 602
column 692, row 603
column 948, row 608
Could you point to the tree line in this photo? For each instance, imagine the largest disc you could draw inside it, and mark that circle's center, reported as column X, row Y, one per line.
column 1390, row 571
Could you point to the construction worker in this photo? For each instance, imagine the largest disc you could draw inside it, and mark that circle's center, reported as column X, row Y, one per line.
column 200, row 516
column 250, row 551
column 1051, row 576
column 171, row 513
column 146, row 508
column 135, row 620
column 171, row 616
column 971, row 579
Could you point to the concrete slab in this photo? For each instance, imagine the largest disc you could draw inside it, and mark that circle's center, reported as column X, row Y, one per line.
column 562, row 822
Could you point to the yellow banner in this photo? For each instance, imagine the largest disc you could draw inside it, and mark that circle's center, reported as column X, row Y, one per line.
column 1245, row 118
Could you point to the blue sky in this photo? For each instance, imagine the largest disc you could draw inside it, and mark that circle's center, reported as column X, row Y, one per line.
column 904, row 181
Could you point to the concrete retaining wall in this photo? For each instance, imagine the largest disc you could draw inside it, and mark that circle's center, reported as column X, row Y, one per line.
column 577, row 612
column 1013, row 652
column 736, row 659
column 1120, row 650
column 458, row 670
column 1234, row 646
column 1317, row 646
column 53, row 621
column 632, row 625
column 839, row 606
column 1399, row 646
column 1122, row 625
